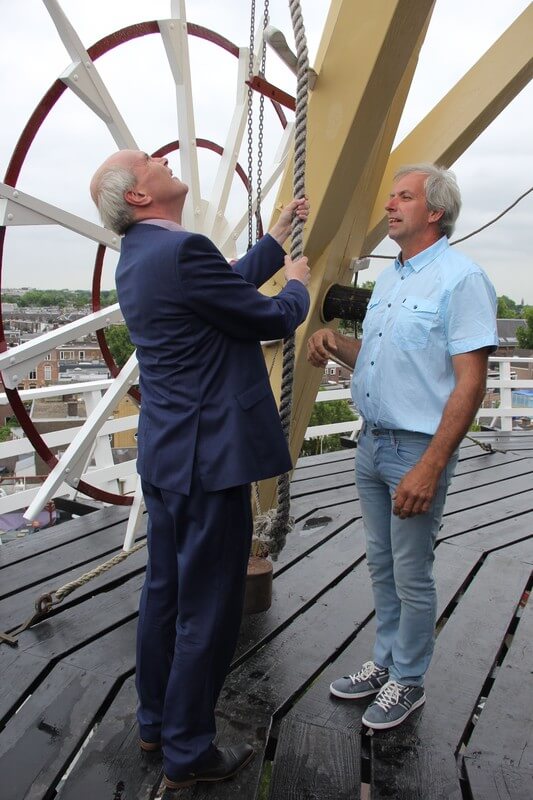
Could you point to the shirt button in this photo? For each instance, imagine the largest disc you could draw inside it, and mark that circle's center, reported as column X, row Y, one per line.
column 371, row 363
column 380, row 334
column 403, row 277
column 367, row 394
column 389, row 305
column 415, row 306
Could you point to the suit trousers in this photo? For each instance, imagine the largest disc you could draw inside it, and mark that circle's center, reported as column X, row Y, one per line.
column 190, row 613
column 400, row 552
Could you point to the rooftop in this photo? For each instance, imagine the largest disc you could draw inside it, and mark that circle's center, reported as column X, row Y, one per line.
column 67, row 697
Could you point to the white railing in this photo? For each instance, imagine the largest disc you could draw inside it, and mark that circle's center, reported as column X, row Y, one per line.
column 498, row 411
column 501, row 409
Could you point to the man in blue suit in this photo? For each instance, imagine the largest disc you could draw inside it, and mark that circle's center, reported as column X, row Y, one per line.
column 208, row 427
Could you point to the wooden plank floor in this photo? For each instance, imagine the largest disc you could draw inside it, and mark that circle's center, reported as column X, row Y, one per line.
column 67, row 694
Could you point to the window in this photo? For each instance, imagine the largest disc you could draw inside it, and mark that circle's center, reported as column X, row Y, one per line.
column 33, row 375
column 81, row 355
column 48, row 357
column 62, row 354
column 48, row 373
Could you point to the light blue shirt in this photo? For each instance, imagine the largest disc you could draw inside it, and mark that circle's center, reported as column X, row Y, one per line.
column 421, row 313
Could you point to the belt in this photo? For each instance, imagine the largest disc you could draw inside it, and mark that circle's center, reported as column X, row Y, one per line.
column 367, row 428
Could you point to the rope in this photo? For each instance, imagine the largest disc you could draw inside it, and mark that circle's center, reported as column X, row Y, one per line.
column 469, row 235
column 487, row 446
column 46, row 602
column 492, row 221
column 277, row 523
column 65, row 590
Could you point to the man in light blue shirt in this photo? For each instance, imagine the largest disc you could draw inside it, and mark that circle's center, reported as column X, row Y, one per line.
column 419, row 377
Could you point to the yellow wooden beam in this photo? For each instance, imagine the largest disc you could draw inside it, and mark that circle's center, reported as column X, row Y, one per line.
column 463, row 114
column 365, row 63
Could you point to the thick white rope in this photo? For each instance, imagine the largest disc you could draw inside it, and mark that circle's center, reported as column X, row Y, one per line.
column 274, row 525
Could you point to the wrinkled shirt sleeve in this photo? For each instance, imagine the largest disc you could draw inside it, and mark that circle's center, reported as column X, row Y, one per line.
column 470, row 316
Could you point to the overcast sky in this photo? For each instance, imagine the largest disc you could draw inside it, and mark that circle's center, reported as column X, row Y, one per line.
column 495, row 170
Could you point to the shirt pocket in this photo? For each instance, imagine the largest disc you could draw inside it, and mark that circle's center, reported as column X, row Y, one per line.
column 416, row 317
column 372, row 317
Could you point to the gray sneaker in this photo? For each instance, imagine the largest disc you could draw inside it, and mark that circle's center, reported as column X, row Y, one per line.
column 369, row 680
column 393, row 704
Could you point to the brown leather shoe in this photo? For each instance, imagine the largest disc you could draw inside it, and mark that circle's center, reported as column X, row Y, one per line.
column 223, row 764
column 149, row 747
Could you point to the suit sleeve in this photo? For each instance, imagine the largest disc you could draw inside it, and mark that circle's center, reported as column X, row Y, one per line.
column 224, row 299
column 261, row 262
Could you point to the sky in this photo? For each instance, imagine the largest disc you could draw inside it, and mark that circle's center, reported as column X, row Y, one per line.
column 494, row 171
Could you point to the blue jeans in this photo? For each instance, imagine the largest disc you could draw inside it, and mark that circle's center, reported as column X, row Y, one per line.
column 400, row 552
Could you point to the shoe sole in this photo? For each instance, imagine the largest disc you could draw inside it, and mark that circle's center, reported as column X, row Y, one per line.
column 183, row 784
column 352, row 696
column 380, row 726
column 149, row 747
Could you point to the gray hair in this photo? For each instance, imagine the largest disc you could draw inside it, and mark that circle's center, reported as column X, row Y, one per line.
column 442, row 192
column 115, row 213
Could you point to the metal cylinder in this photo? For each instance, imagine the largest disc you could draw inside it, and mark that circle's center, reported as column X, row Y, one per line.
column 345, row 302
column 258, row 596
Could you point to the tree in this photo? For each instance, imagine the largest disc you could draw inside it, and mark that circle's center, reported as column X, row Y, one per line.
column 6, row 430
column 119, row 342
column 507, row 308
column 108, row 297
column 79, row 298
column 325, row 413
column 524, row 333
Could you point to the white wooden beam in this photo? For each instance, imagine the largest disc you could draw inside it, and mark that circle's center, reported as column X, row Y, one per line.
column 83, row 78
column 27, row 395
column 22, row 446
column 101, row 452
column 136, row 512
column 214, row 218
column 72, row 463
column 17, row 362
column 175, row 39
column 19, row 208
column 18, row 500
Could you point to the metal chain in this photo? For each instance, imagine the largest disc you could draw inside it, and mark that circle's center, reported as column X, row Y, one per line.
column 250, row 116
column 260, row 130
column 259, row 185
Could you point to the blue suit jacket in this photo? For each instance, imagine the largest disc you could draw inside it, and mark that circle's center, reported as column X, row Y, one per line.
column 197, row 323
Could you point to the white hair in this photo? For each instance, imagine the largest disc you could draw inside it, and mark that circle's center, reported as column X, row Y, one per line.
column 442, row 192
column 115, row 212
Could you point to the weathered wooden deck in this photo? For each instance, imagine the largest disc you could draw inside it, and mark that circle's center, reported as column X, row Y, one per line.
column 67, row 695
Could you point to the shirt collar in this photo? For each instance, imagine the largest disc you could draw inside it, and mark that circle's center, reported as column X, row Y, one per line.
column 425, row 257
column 169, row 224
